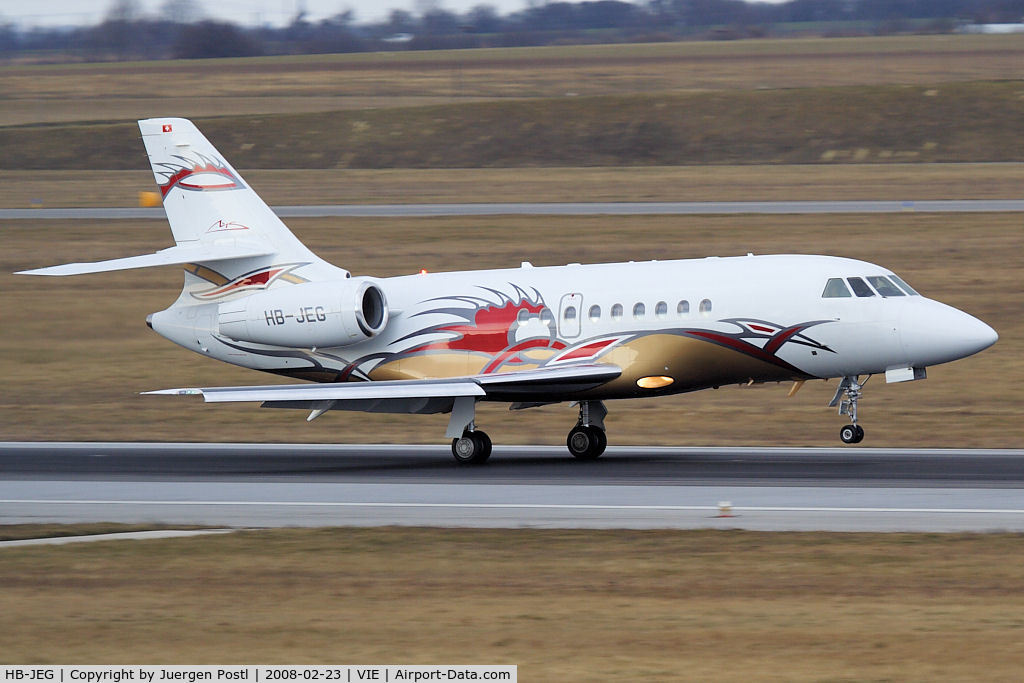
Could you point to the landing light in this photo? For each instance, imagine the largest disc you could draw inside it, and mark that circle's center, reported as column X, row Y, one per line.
column 423, row 271
column 655, row 382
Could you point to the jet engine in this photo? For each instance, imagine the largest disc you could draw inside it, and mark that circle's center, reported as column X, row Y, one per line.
column 321, row 314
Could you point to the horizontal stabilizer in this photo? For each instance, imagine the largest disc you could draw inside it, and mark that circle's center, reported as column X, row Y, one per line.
column 165, row 257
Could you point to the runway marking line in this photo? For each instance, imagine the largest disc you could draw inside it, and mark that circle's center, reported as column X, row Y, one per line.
column 523, row 506
column 117, row 536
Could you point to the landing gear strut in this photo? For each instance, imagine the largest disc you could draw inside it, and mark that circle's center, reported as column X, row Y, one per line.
column 472, row 448
column 853, row 389
column 587, row 440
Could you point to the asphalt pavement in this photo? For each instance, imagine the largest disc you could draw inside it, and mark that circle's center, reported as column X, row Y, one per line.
column 246, row 485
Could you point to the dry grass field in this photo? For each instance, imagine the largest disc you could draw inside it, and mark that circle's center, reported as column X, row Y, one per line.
column 880, row 100
column 810, row 182
column 562, row 605
column 75, row 351
column 127, row 91
column 852, row 124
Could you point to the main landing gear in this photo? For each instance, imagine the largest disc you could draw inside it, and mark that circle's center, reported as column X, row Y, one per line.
column 853, row 389
column 586, row 441
column 472, row 448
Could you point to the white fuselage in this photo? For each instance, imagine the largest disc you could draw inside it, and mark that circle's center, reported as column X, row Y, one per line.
column 656, row 317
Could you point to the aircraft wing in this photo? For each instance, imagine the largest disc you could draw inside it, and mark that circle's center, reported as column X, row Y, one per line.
column 413, row 396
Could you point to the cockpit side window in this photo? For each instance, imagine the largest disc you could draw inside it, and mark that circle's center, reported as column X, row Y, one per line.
column 884, row 287
column 835, row 288
column 903, row 285
column 860, row 288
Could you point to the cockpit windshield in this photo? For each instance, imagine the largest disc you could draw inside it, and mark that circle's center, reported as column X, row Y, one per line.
column 903, row 285
column 884, row 287
column 835, row 288
column 860, row 288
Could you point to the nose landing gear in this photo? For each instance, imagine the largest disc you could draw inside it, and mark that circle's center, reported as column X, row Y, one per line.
column 851, row 434
column 852, row 387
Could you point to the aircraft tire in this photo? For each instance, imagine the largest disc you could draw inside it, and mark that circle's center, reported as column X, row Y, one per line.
column 849, row 434
column 484, row 442
column 586, row 443
column 472, row 448
column 600, row 440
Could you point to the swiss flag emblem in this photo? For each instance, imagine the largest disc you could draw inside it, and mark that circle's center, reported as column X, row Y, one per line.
column 167, row 128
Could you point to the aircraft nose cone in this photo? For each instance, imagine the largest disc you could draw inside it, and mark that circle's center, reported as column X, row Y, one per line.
column 976, row 335
column 934, row 333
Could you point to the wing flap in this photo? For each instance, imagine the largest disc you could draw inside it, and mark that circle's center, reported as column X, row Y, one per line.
column 414, row 396
column 166, row 257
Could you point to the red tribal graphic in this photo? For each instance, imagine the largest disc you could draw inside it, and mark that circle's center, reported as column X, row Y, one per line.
column 201, row 174
column 261, row 278
column 505, row 329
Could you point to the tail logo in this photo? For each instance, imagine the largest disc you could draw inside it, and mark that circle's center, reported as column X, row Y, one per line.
column 201, row 174
column 225, row 226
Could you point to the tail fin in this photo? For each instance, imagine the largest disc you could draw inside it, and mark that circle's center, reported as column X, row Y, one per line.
column 215, row 217
column 205, row 198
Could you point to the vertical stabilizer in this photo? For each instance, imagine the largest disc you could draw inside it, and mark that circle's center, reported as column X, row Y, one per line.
column 206, row 200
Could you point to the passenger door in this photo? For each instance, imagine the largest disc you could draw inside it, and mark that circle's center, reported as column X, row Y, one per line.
column 569, row 313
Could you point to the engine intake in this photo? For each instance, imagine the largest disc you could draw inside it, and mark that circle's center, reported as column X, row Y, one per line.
column 321, row 314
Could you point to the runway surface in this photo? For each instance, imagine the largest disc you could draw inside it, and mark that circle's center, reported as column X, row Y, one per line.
column 561, row 209
column 843, row 489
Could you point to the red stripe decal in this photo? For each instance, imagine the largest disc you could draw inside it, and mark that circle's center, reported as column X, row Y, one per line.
column 587, row 350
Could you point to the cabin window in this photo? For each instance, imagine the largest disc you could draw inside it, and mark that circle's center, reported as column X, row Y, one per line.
column 884, row 287
column 595, row 313
column 903, row 285
column 705, row 306
column 547, row 317
column 860, row 288
column 835, row 288
column 617, row 312
column 683, row 308
column 661, row 310
column 523, row 316
column 638, row 311
column 569, row 313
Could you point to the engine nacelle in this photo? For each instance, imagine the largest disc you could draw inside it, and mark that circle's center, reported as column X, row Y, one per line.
column 322, row 314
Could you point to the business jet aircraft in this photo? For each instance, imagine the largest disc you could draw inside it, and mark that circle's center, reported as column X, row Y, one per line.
column 256, row 297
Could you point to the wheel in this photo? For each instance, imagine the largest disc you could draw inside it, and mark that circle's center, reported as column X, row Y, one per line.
column 472, row 448
column 586, row 443
column 600, row 440
column 484, row 442
column 850, row 434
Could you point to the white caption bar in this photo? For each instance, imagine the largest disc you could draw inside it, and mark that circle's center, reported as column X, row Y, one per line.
column 257, row 673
